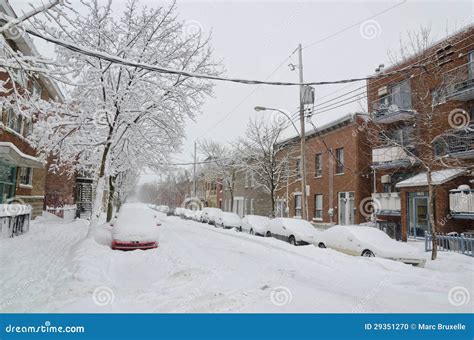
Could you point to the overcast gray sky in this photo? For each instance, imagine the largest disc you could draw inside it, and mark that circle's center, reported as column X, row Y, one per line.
column 253, row 38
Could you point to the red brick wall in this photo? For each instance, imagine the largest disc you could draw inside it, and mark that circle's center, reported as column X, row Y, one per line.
column 356, row 177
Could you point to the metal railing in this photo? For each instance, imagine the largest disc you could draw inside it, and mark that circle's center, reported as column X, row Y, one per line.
column 459, row 77
column 14, row 219
column 456, row 141
column 392, row 102
column 463, row 244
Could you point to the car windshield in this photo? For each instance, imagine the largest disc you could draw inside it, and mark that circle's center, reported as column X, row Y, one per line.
column 258, row 220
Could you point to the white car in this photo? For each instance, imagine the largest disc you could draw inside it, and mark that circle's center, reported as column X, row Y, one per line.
column 295, row 231
column 228, row 220
column 136, row 227
column 369, row 241
column 209, row 215
column 256, row 225
column 163, row 209
column 188, row 214
column 197, row 215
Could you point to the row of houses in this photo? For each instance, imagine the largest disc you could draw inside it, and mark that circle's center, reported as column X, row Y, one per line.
column 25, row 177
column 373, row 165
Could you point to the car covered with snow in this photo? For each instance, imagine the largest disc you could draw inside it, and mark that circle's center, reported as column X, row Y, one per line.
column 136, row 227
column 366, row 241
column 228, row 220
column 163, row 208
column 293, row 230
column 256, row 225
column 197, row 215
column 209, row 215
column 189, row 214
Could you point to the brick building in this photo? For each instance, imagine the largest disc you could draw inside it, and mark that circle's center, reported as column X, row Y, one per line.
column 337, row 173
column 249, row 197
column 423, row 116
column 24, row 176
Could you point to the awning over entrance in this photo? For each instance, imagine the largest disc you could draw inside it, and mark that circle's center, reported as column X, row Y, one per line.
column 10, row 153
column 437, row 178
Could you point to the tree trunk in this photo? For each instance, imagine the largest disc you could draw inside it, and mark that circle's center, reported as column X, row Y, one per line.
column 110, row 204
column 434, row 252
column 99, row 195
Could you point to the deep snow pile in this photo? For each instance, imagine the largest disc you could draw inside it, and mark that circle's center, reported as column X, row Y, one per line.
column 200, row 268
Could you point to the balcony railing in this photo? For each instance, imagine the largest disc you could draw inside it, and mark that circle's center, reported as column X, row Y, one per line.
column 459, row 82
column 461, row 203
column 393, row 107
column 457, row 143
column 387, row 203
column 389, row 157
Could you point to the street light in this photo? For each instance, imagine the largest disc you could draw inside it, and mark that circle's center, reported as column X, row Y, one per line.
column 262, row 108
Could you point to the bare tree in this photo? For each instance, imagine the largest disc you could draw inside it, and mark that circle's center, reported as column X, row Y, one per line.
column 261, row 154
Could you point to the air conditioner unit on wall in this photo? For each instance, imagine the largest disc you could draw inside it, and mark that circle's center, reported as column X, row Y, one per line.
column 385, row 179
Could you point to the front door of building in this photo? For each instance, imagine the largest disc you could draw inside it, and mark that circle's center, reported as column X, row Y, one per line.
column 418, row 215
column 346, row 208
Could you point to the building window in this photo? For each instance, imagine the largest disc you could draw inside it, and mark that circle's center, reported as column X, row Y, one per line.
column 26, row 176
column 245, row 206
column 252, row 179
column 13, row 120
column 247, row 175
column 298, row 168
column 298, row 205
column 318, row 165
column 252, row 206
column 318, row 207
column 340, row 161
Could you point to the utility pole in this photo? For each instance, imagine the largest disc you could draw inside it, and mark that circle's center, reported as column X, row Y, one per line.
column 194, row 171
column 304, row 211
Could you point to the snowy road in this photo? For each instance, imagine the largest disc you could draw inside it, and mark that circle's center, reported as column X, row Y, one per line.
column 199, row 268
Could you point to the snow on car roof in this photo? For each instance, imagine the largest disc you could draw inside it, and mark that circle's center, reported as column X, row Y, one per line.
column 136, row 222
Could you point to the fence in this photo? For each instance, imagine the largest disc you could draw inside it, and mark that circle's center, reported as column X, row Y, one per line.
column 463, row 244
column 66, row 212
column 14, row 219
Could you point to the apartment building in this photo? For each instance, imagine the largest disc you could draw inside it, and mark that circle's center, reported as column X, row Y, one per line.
column 23, row 175
column 424, row 110
column 249, row 197
column 337, row 173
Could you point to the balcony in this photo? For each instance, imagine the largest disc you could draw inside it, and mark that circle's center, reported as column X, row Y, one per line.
column 387, row 204
column 391, row 157
column 458, row 143
column 393, row 107
column 461, row 203
column 460, row 82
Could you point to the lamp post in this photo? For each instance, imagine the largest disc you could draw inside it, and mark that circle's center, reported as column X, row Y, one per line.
column 303, row 163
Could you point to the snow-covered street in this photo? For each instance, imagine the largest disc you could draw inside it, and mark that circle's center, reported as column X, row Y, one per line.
column 200, row 268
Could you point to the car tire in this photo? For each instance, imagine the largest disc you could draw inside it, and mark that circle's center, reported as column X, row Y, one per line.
column 268, row 234
column 367, row 253
column 292, row 240
column 251, row 232
column 321, row 245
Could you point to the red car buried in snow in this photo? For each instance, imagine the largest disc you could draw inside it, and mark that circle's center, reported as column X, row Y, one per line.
column 136, row 227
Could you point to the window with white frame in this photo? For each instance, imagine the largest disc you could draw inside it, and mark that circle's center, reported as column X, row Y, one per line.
column 318, row 165
column 252, row 179
column 247, row 175
column 252, row 206
column 298, row 205
column 318, row 207
column 26, row 176
column 14, row 121
column 340, row 161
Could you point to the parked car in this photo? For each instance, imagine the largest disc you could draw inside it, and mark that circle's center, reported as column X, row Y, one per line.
column 228, row 220
column 170, row 212
column 188, row 214
column 295, row 231
column 197, row 215
column 370, row 242
column 256, row 225
column 163, row 209
column 209, row 215
column 136, row 227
